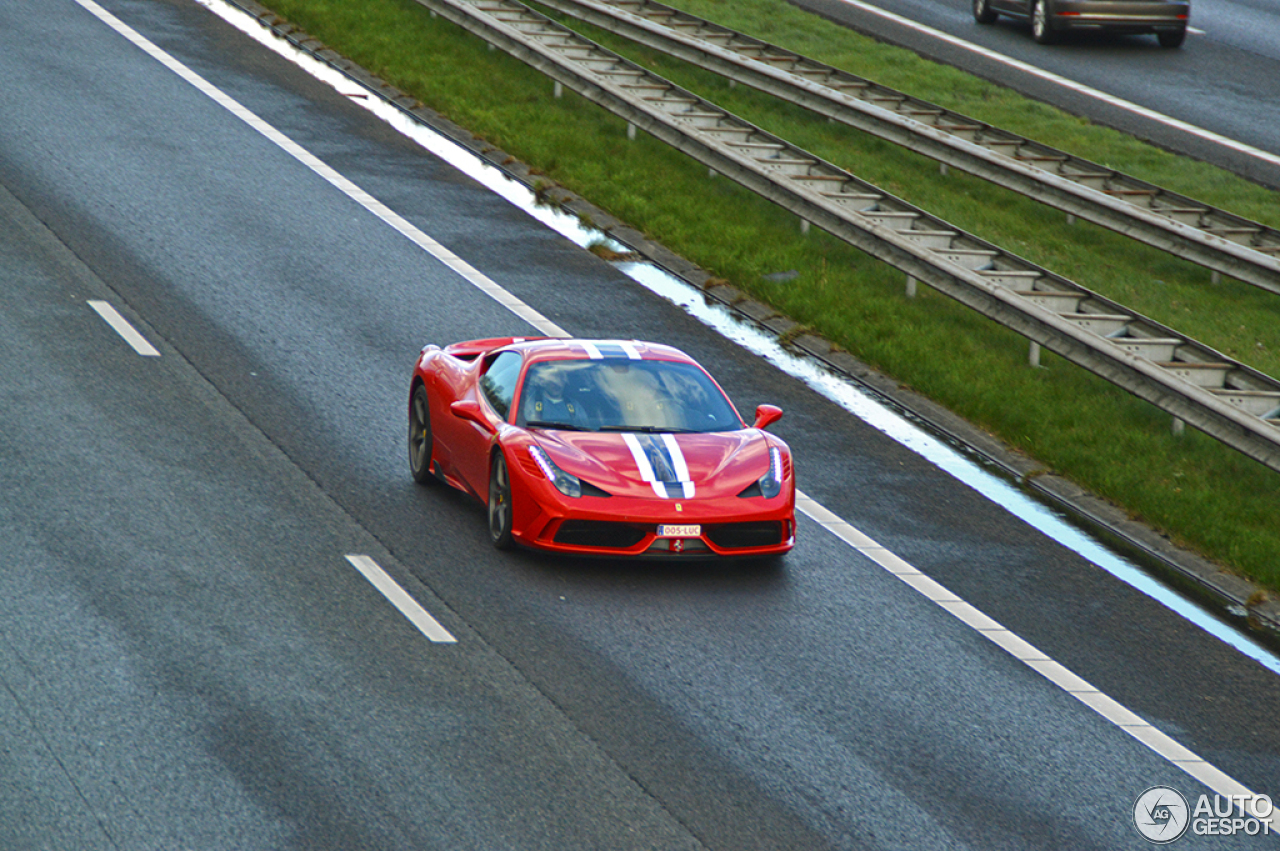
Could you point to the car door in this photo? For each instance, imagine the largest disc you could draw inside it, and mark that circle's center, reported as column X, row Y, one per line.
column 495, row 388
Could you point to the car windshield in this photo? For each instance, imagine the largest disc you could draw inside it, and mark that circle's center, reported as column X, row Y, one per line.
column 621, row 394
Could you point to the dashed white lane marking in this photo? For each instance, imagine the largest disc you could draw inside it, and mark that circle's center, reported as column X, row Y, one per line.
column 1025, row 652
column 1017, row 647
column 400, row 598
column 124, row 329
column 468, row 272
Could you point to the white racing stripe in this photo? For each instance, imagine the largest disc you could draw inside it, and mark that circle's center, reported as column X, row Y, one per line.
column 642, row 464
column 124, row 329
column 400, row 598
column 601, row 349
column 1014, row 645
column 678, row 465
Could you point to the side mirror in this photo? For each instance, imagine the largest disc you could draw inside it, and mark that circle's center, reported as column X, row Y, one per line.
column 468, row 409
column 766, row 415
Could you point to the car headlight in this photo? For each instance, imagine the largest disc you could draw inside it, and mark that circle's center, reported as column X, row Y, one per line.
column 564, row 482
column 771, row 482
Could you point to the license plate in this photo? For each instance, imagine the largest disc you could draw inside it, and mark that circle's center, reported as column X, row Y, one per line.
column 679, row 531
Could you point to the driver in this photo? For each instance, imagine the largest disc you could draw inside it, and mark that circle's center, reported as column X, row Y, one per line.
column 549, row 402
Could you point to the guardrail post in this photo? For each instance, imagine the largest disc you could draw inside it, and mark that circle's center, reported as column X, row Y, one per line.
column 911, row 286
column 1033, row 354
column 1179, row 426
column 631, row 130
column 558, row 89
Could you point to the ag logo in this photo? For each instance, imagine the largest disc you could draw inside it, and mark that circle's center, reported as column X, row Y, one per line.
column 1161, row 814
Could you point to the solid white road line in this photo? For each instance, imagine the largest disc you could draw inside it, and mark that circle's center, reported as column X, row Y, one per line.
column 1048, row 76
column 355, row 193
column 1143, row 732
column 124, row 329
column 400, row 598
column 1026, row 653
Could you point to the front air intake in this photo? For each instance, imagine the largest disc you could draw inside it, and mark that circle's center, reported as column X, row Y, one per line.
column 740, row 536
column 599, row 533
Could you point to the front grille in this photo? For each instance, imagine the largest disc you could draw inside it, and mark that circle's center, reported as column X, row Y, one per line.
column 599, row 533
column 733, row 536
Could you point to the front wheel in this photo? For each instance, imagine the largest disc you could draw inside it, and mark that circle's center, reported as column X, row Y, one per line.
column 983, row 13
column 500, row 511
column 420, row 440
column 1042, row 24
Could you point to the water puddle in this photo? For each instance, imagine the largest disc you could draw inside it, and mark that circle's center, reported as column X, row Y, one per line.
column 959, row 463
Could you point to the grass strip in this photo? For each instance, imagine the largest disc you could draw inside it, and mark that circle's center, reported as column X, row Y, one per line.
column 1201, row 494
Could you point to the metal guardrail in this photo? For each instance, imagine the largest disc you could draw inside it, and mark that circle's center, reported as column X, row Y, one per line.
column 1223, row 242
column 1197, row 385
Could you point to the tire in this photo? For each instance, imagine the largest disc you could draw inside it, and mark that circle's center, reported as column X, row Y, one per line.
column 1172, row 39
column 500, row 508
column 983, row 13
column 1041, row 24
column 420, row 440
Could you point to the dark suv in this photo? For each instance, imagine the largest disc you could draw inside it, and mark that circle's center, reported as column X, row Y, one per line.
column 1166, row 18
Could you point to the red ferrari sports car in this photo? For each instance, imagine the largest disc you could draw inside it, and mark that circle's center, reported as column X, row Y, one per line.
column 598, row 447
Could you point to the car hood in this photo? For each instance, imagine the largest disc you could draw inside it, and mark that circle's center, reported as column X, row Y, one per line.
column 661, row 466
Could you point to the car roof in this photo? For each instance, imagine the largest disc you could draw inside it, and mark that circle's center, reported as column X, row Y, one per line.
column 573, row 349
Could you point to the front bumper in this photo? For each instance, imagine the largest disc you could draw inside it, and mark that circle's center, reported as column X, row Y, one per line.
column 614, row 526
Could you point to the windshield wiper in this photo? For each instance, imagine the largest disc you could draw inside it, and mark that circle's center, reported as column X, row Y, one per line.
column 647, row 429
column 548, row 424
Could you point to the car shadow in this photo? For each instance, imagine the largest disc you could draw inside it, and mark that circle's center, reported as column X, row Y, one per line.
column 1101, row 41
column 761, row 573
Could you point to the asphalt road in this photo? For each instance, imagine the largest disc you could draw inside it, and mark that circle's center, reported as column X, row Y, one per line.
column 1225, row 79
column 189, row 659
